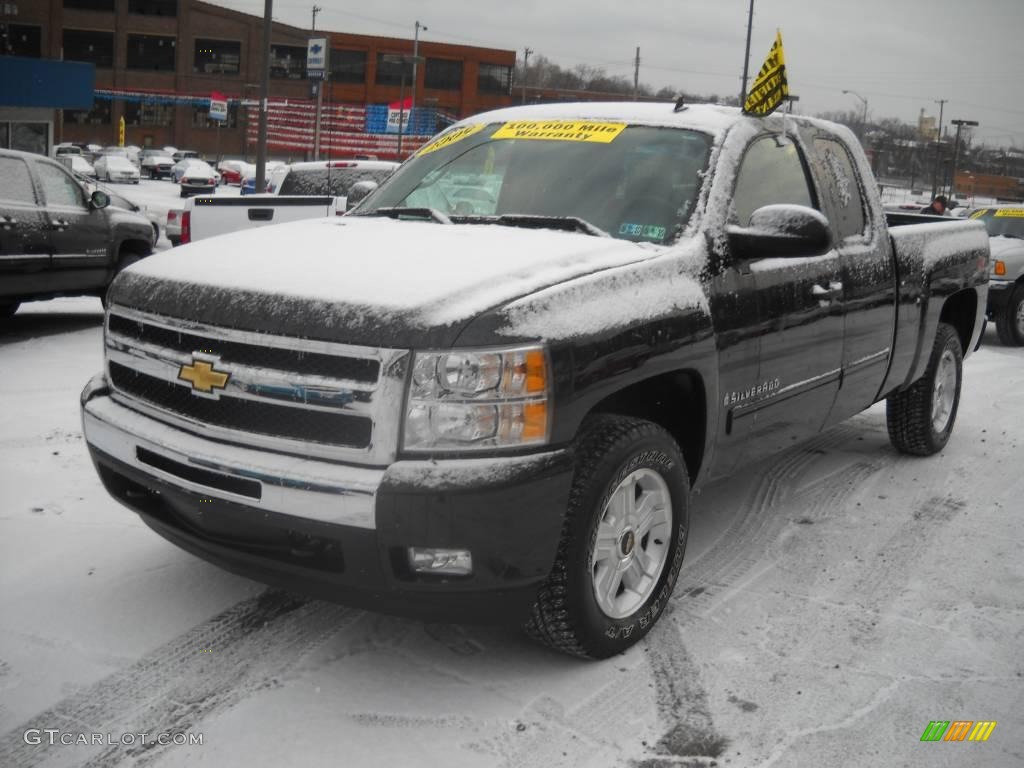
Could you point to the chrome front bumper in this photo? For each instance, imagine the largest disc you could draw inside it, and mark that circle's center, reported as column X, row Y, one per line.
column 302, row 487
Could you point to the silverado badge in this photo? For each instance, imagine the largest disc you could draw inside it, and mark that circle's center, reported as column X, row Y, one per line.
column 204, row 378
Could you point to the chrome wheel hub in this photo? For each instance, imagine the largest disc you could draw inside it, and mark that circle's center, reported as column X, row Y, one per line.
column 944, row 391
column 632, row 544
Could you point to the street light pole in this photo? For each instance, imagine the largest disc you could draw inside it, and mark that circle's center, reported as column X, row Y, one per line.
column 746, row 55
column 415, row 58
column 956, row 150
column 261, row 139
column 864, row 115
column 938, row 147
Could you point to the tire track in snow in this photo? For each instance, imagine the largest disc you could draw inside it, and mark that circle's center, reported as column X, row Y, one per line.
column 173, row 689
column 748, row 539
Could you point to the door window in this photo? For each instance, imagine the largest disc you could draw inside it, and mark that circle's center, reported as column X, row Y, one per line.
column 17, row 185
column 58, row 187
column 772, row 172
column 842, row 191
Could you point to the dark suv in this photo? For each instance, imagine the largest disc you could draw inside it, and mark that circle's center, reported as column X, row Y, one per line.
column 57, row 239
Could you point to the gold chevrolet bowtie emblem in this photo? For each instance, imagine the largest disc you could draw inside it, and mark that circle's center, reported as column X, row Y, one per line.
column 202, row 376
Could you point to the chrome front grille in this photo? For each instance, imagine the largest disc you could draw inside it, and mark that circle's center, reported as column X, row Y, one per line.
column 301, row 396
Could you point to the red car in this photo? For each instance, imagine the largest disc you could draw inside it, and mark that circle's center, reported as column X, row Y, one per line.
column 233, row 171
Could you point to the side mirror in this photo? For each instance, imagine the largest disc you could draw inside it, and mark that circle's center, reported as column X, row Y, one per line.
column 359, row 192
column 781, row 231
column 99, row 199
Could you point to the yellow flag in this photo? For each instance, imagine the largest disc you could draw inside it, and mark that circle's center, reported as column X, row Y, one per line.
column 770, row 87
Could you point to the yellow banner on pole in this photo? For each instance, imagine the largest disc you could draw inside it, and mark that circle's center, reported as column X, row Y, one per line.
column 120, row 132
column 771, row 87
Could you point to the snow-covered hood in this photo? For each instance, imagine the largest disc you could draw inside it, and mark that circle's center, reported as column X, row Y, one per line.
column 365, row 280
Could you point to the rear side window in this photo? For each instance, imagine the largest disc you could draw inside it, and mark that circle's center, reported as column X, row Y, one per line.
column 772, row 172
column 58, row 187
column 840, row 188
column 17, row 184
column 335, row 182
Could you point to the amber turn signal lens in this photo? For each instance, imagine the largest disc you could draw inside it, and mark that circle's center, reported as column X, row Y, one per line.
column 1000, row 268
column 536, row 372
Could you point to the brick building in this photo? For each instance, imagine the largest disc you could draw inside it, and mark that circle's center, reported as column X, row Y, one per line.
column 158, row 61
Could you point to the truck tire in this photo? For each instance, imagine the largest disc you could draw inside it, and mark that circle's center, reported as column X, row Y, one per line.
column 601, row 598
column 1010, row 322
column 920, row 419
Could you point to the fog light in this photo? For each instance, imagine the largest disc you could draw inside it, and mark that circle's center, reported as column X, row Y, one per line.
column 451, row 562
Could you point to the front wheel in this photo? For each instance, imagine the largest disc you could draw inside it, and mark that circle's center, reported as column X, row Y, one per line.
column 1010, row 322
column 920, row 419
column 622, row 541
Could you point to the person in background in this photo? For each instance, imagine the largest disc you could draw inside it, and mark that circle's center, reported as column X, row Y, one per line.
column 937, row 207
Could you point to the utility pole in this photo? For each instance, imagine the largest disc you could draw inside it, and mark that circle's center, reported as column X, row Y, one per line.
column 415, row 59
column 938, row 147
column 526, row 61
column 636, row 74
column 746, row 56
column 319, row 97
column 956, row 151
column 261, row 138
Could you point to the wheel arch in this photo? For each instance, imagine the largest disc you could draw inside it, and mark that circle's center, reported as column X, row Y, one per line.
column 676, row 401
column 961, row 311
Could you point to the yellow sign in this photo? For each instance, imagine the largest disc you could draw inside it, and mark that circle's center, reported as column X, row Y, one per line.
column 120, row 132
column 979, row 214
column 1010, row 213
column 202, row 376
column 560, row 130
column 447, row 139
column 771, row 85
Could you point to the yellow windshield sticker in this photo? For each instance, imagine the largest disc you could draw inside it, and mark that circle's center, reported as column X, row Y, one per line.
column 560, row 130
column 447, row 139
column 979, row 214
column 1013, row 213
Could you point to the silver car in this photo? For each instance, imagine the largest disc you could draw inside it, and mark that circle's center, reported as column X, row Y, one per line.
column 1005, row 224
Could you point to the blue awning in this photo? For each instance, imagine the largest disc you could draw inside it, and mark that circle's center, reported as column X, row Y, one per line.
column 46, row 83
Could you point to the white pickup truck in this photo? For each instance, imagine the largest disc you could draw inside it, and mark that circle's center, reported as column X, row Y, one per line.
column 308, row 190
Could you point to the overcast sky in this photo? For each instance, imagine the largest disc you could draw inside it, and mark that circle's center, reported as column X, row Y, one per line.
column 901, row 56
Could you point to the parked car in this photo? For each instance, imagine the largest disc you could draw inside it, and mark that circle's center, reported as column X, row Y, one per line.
column 195, row 177
column 80, row 166
column 155, row 164
column 117, row 200
column 185, row 154
column 333, row 178
column 57, row 237
column 66, row 149
column 1005, row 226
column 116, row 168
column 503, row 416
column 248, row 185
column 232, row 171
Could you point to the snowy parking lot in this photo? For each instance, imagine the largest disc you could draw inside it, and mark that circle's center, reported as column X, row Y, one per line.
column 834, row 600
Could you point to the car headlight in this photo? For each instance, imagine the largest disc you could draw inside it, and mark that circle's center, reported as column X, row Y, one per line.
column 478, row 399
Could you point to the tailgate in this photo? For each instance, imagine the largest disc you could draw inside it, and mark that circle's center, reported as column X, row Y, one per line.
column 211, row 216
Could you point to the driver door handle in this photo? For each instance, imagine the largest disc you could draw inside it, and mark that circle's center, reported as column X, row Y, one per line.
column 820, row 292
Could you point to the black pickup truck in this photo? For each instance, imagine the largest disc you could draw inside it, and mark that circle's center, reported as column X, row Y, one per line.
column 489, row 391
column 56, row 238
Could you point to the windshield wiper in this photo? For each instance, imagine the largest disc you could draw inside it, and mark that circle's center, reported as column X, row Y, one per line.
column 532, row 221
column 398, row 213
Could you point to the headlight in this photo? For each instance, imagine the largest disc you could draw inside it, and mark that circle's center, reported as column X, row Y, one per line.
column 478, row 399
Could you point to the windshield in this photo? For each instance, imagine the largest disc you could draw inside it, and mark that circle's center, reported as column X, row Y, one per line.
column 635, row 183
column 1008, row 222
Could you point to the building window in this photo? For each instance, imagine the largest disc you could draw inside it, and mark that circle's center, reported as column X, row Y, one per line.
column 221, row 57
column 153, row 7
column 93, row 47
column 349, row 67
column 25, row 137
column 390, row 68
column 98, row 115
column 443, row 75
column 201, row 118
column 21, row 40
column 151, row 52
column 494, row 78
column 136, row 113
column 288, row 61
column 89, row 5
